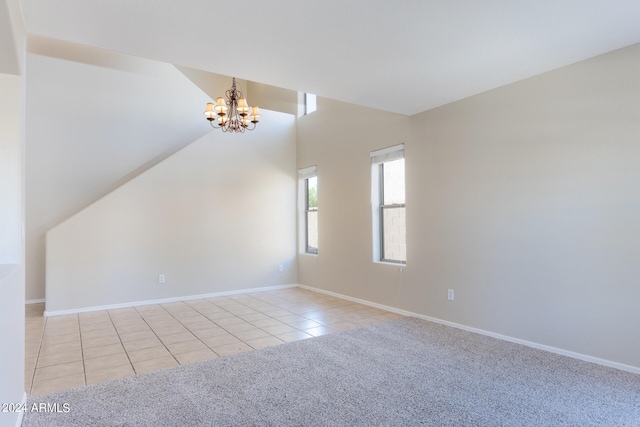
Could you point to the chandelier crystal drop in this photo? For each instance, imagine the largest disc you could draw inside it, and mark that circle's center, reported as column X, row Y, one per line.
column 232, row 114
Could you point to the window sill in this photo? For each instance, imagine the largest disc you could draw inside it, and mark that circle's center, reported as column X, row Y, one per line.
column 392, row 264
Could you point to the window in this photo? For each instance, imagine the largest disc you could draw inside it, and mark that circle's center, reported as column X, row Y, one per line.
column 309, row 205
column 309, row 103
column 388, row 205
column 311, row 193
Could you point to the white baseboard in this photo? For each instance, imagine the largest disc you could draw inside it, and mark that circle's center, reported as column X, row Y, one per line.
column 163, row 300
column 21, row 413
column 572, row 354
column 35, row 301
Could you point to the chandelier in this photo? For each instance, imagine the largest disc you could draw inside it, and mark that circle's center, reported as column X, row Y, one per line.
column 232, row 114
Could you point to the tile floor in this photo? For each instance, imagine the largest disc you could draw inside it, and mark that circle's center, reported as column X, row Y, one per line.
column 79, row 349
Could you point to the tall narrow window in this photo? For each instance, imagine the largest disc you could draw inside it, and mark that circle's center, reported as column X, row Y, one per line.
column 388, row 205
column 309, row 203
column 309, row 103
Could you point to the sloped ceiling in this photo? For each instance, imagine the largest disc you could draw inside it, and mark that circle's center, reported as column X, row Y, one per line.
column 403, row 56
column 96, row 118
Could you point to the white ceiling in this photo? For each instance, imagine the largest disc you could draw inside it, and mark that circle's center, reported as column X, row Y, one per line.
column 404, row 56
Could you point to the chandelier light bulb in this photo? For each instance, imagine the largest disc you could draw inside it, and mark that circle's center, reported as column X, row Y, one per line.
column 221, row 106
column 243, row 107
column 209, row 112
column 255, row 114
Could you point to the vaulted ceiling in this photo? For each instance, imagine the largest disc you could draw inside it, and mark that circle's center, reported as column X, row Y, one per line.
column 404, row 56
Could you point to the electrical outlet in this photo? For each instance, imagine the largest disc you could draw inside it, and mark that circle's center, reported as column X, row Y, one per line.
column 280, row 268
column 161, row 278
column 450, row 295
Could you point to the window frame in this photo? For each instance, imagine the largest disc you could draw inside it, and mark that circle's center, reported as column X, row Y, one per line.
column 310, row 103
column 303, row 210
column 309, row 249
column 378, row 207
column 382, row 208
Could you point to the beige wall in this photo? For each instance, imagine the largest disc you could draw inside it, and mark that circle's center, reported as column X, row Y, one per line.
column 273, row 98
column 524, row 200
column 12, row 384
column 12, row 38
column 338, row 138
column 11, row 246
column 12, row 52
column 10, row 170
column 95, row 119
column 217, row 216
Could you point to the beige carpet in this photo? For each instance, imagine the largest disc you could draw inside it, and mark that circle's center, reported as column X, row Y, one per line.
column 400, row 373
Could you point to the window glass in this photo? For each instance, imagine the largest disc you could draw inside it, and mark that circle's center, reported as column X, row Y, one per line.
column 309, row 103
column 388, row 205
column 393, row 182
column 394, row 229
column 311, row 203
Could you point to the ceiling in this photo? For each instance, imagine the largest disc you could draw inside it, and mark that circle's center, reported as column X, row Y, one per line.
column 405, row 56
